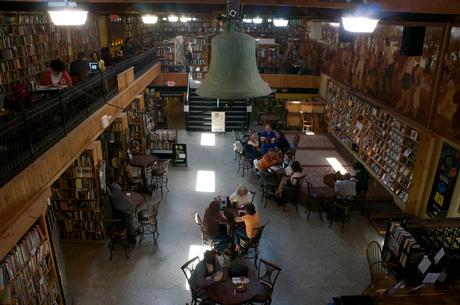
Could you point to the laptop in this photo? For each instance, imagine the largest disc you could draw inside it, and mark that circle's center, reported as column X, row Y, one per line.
column 93, row 67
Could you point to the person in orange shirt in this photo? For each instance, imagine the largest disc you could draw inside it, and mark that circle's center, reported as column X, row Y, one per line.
column 269, row 159
column 251, row 221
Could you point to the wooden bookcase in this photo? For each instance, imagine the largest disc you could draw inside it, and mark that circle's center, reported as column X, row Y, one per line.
column 29, row 274
column 201, row 55
column 162, row 142
column 388, row 146
column 135, row 113
column 268, row 59
column 166, row 56
column 29, row 41
column 114, row 148
column 156, row 106
column 76, row 198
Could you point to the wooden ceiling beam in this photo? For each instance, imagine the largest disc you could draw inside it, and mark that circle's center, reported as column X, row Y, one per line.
column 450, row 7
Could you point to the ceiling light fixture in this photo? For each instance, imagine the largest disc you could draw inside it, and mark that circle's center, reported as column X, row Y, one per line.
column 150, row 19
column 359, row 24
column 164, row 18
column 280, row 22
column 247, row 20
column 334, row 24
column 257, row 20
column 269, row 20
column 66, row 13
column 173, row 18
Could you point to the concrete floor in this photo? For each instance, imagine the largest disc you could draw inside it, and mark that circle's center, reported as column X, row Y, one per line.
column 318, row 263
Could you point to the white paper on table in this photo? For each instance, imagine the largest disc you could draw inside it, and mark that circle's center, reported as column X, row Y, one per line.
column 424, row 264
column 431, row 278
column 439, row 255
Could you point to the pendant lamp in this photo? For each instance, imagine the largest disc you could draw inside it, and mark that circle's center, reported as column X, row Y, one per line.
column 233, row 72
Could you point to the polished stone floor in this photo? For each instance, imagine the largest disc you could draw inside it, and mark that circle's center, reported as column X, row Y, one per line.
column 318, row 263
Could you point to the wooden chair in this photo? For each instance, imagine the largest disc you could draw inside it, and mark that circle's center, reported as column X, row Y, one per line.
column 204, row 238
column 267, row 184
column 307, row 123
column 148, row 223
column 188, row 269
column 268, row 280
column 373, row 252
column 117, row 234
column 245, row 163
column 291, row 194
column 252, row 244
column 159, row 174
column 314, row 201
column 340, row 212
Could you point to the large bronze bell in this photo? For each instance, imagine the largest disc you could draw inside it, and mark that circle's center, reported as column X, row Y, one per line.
column 233, row 70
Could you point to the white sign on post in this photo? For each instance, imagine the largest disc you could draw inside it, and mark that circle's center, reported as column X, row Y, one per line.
column 218, row 121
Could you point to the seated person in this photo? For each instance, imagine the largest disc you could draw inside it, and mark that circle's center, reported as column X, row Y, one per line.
column 282, row 143
column 268, row 139
column 293, row 176
column 206, row 273
column 79, row 69
column 56, row 76
column 251, row 147
column 241, row 196
column 346, row 188
column 362, row 178
column 271, row 158
column 215, row 226
column 251, row 221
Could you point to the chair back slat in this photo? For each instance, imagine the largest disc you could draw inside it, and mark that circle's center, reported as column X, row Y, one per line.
column 271, row 273
column 198, row 220
column 152, row 211
column 373, row 252
column 189, row 267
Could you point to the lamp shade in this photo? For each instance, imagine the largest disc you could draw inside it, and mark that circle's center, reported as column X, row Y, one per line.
column 68, row 17
column 233, row 72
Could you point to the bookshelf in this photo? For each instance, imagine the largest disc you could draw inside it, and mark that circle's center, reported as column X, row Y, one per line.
column 135, row 113
column 268, row 59
column 387, row 145
column 29, row 41
column 162, row 141
column 27, row 273
column 156, row 106
column 76, row 198
column 114, row 148
column 201, row 55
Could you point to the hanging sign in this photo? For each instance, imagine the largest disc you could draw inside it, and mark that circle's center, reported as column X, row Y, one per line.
column 218, row 121
column 444, row 182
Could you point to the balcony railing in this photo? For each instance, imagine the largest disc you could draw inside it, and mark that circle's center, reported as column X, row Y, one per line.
column 25, row 136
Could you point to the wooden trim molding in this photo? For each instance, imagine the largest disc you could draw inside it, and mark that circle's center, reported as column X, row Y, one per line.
column 292, row 80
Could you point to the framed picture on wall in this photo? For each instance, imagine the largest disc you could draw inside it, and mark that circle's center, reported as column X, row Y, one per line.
column 444, row 182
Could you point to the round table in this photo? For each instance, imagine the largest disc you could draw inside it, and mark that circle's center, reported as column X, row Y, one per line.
column 224, row 292
column 143, row 162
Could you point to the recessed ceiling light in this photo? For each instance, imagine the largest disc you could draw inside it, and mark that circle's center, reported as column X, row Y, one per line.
column 280, row 22
column 257, row 20
column 173, row 18
column 149, row 19
column 359, row 24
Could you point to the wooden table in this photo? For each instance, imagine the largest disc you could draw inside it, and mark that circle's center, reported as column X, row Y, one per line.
column 270, row 118
column 143, row 162
column 224, row 292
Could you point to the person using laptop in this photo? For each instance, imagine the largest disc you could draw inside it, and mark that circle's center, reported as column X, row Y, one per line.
column 241, row 196
column 215, row 226
column 96, row 63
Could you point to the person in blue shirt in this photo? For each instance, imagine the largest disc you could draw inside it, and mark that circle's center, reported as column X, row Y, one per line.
column 268, row 139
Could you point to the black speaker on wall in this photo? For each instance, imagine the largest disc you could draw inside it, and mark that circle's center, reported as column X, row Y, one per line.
column 345, row 36
column 412, row 40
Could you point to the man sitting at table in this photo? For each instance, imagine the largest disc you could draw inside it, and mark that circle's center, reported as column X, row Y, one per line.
column 268, row 139
column 251, row 221
column 271, row 158
column 206, row 273
column 251, row 147
column 241, row 196
column 214, row 226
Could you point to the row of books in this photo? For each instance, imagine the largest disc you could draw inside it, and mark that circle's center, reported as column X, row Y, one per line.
column 82, row 215
column 70, row 204
column 25, row 40
column 401, row 243
column 23, row 18
column 24, row 270
column 163, row 135
column 89, row 226
column 82, row 235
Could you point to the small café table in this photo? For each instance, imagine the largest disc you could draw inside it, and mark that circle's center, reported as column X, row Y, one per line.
column 224, row 292
column 143, row 162
column 270, row 118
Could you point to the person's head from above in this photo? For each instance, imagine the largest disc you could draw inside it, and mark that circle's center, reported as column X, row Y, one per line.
column 250, row 208
column 252, row 135
column 214, row 206
column 242, row 191
column 358, row 166
column 268, row 128
column 94, row 56
column 82, row 56
column 295, row 165
column 57, row 66
column 209, row 257
column 347, row 176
